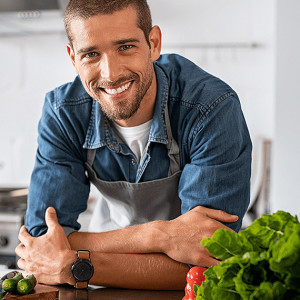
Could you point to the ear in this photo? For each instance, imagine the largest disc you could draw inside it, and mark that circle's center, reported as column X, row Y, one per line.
column 72, row 56
column 155, row 42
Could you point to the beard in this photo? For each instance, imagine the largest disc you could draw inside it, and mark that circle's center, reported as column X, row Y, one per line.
column 124, row 109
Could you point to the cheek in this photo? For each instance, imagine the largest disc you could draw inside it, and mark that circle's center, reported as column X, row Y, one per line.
column 142, row 67
column 88, row 75
column 88, row 72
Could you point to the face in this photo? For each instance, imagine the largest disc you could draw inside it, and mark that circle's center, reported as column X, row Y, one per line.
column 115, row 62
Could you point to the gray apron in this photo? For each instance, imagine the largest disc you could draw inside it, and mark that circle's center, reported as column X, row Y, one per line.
column 123, row 203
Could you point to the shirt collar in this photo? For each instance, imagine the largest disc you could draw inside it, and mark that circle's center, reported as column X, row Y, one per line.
column 100, row 132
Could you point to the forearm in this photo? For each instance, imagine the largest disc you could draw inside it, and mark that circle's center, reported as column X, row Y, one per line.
column 179, row 238
column 138, row 271
column 124, row 258
column 144, row 238
column 133, row 271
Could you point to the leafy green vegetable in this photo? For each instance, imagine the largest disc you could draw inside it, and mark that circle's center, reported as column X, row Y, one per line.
column 260, row 262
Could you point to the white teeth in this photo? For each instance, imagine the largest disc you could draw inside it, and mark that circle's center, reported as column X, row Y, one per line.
column 118, row 90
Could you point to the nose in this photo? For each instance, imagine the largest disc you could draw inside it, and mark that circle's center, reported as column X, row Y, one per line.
column 109, row 67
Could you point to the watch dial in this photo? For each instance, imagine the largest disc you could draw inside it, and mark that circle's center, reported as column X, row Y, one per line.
column 83, row 270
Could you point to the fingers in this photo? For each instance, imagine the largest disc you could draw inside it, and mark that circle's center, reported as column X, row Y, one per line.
column 21, row 264
column 24, row 237
column 20, row 250
column 28, row 266
column 51, row 217
column 217, row 214
column 201, row 257
column 210, row 261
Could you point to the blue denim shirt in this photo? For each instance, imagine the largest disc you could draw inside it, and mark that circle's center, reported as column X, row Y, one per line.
column 207, row 123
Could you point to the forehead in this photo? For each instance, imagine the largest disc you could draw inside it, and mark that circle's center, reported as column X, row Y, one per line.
column 104, row 27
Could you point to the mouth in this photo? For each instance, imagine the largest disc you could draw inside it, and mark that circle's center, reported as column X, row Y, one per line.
column 118, row 89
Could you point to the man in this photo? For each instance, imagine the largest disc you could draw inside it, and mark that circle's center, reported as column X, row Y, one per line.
column 160, row 194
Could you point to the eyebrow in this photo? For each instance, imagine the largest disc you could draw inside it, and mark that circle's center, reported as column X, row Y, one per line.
column 125, row 41
column 84, row 50
column 118, row 42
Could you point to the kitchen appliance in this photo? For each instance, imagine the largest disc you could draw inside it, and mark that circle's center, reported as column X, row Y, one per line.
column 19, row 17
column 13, row 203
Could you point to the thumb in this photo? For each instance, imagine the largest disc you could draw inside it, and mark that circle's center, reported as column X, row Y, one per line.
column 51, row 217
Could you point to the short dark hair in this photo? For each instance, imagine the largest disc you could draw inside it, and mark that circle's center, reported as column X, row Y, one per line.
column 85, row 9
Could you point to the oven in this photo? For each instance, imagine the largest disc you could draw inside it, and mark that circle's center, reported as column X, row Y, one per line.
column 13, row 203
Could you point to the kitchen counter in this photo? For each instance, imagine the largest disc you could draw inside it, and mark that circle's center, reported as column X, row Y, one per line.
column 96, row 292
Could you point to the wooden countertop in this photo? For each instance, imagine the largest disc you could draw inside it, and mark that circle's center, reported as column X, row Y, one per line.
column 69, row 293
column 66, row 292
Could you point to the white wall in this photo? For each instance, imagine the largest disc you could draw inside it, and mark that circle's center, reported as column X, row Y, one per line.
column 30, row 65
column 286, row 156
column 218, row 36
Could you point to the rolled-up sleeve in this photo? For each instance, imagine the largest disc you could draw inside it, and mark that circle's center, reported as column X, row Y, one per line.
column 218, row 174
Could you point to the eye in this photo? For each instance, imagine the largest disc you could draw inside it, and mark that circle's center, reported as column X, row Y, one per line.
column 90, row 54
column 126, row 47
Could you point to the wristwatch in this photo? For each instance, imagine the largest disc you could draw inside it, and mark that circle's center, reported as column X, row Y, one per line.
column 82, row 269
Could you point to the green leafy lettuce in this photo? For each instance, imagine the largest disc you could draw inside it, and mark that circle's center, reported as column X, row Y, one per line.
column 260, row 262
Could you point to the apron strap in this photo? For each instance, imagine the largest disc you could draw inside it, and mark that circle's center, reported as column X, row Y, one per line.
column 91, row 153
column 172, row 146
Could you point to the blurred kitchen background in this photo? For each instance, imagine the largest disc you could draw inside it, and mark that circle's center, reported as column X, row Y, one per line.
column 253, row 45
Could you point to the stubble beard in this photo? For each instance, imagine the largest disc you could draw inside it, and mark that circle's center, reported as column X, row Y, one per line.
column 126, row 108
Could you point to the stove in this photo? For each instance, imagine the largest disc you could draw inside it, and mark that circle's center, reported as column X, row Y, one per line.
column 13, row 203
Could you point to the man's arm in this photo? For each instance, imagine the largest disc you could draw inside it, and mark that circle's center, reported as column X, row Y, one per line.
column 129, row 258
column 179, row 238
column 50, row 258
column 218, row 171
column 59, row 172
column 138, row 271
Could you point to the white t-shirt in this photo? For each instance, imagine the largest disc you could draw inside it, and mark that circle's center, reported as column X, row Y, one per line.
column 135, row 137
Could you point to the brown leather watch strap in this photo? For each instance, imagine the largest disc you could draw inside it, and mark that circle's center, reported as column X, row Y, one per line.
column 82, row 269
column 83, row 254
column 81, row 284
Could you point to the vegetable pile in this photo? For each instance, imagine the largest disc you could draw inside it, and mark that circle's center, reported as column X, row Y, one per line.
column 15, row 283
column 260, row 262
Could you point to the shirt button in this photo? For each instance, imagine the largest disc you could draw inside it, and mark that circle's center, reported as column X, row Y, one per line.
column 133, row 162
column 139, row 169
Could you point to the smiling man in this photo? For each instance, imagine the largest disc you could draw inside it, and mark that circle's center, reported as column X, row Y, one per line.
column 164, row 142
column 115, row 64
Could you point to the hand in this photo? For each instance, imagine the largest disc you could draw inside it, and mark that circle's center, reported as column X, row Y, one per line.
column 48, row 257
column 184, row 234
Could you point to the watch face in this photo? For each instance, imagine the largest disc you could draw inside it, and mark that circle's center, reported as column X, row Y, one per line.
column 82, row 270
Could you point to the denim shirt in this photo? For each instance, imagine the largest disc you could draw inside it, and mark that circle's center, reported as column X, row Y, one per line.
column 206, row 120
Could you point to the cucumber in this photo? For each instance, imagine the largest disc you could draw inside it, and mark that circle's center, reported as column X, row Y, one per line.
column 10, row 284
column 24, row 286
column 6, row 276
column 32, row 279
